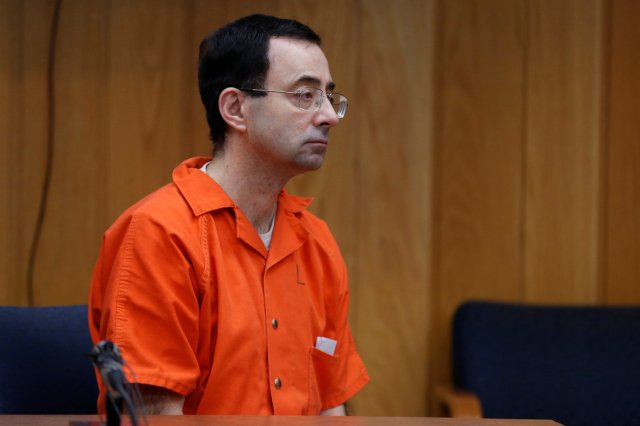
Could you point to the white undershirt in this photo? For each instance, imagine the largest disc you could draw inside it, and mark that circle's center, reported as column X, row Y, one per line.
column 266, row 237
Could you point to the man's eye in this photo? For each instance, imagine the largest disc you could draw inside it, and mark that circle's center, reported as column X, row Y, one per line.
column 332, row 99
column 306, row 95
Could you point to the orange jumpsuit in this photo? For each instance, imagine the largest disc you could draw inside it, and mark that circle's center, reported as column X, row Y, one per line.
column 185, row 287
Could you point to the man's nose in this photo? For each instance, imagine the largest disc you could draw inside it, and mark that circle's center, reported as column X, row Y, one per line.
column 327, row 115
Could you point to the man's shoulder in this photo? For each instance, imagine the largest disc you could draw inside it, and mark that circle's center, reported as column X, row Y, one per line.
column 165, row 207
column 166, row 198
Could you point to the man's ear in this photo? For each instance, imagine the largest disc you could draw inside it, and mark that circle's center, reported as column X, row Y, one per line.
column 230, row 106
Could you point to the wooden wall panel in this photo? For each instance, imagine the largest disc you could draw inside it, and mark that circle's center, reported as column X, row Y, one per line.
column 622, row 226
column 25, row 55
column 479, row 173
column 563, row 132
column 391, row 292
column 75, row 216
column 9, row 73
column 150, row 92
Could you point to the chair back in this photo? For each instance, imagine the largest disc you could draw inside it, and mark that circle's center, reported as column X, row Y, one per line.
column 579, row 366
column 43, row 369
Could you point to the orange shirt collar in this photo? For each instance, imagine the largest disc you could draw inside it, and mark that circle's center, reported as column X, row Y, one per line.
column 203, row 197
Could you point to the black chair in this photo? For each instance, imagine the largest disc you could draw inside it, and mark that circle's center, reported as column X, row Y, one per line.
column 579, row 366
column 43, row 368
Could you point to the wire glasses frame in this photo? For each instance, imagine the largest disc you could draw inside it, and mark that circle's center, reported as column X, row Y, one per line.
column 312, row 97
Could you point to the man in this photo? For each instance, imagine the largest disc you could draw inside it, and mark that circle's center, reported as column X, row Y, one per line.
column 224, row 294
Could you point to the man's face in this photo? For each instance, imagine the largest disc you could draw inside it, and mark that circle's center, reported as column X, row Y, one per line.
column 281, row 134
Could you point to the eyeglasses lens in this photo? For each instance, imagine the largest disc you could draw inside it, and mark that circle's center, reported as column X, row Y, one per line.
column 310, row 97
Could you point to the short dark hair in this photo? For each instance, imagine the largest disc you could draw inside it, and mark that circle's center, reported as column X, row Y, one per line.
column 236, row 55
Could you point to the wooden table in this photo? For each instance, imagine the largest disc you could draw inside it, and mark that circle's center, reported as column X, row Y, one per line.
column 28, row 420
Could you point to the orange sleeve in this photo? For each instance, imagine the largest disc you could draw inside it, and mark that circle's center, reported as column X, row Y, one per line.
column 149, row 305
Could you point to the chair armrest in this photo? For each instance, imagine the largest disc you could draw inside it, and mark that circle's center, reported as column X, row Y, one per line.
column 459, row 402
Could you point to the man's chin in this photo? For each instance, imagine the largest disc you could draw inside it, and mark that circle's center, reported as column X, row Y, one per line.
column 311, row 163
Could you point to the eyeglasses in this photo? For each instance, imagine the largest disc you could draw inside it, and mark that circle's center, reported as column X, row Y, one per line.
column 309, row 98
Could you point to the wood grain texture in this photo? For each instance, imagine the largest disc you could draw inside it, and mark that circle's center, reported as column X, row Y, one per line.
column 75, row 217
column 479, row 173
column 9, row 72
column 150, row 87
column 24, row 54
column 622, row 225
column 563, row 136
column 391, row 294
